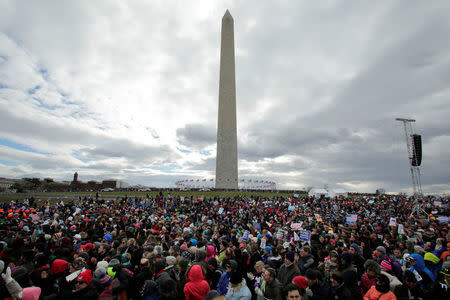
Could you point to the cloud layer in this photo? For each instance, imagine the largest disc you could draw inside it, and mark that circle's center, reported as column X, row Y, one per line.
column 129, row 91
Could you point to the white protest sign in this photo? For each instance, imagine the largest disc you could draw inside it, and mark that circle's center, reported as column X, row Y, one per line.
column 263, row 243
column 296, row 237
column 393, row 222
column 400, row 229
column 296, row 226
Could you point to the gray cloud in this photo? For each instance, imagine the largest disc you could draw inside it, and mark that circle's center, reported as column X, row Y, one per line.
column 196, row 136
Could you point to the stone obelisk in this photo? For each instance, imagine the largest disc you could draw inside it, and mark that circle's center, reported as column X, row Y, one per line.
column 226, row 159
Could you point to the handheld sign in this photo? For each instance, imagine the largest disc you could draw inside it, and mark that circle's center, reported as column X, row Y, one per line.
column 245, row 236
column 291, row 207
column 305, row 235
column 296, row 226
column 393, row 222
column 263, row 243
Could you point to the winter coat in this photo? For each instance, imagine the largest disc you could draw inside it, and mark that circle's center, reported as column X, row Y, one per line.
column 286, row 274
column 197, row 288
column 273, row 290
column 304, row 263
column 240, row 292
column 339, row 293
column 420, row 266
column 222, row 286
column 366, row 283
column 374, row 294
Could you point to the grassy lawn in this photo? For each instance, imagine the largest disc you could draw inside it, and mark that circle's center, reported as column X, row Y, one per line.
column 67, row 196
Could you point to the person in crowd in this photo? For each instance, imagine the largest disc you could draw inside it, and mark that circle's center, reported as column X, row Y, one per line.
column 338, row 290
column 238, row 289
column 381, row 290
column 271, row 287
column 316, row 289
column 289, row 269
column 145, row 247
column 196, row 288
column 292, row 292
column 306, row 260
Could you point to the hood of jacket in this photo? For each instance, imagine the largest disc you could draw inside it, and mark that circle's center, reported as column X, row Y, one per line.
column 196, row 274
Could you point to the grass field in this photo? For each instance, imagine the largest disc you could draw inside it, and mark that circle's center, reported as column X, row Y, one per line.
column 67, row 196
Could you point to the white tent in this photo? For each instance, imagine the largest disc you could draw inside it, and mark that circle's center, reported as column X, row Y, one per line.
column 317, row 192
column 337, row 193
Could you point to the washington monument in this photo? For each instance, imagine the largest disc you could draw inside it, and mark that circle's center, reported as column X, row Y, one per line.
column 226, row 159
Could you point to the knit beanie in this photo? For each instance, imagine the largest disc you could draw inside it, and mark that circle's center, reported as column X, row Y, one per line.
column 386, row 264
column 86, row 277
column 171, row 260
column 381, row 249
column 31, row 293
column 300, row 281
column 356, row 247
column 431, row 257
column 58, row 266
column 102, row 264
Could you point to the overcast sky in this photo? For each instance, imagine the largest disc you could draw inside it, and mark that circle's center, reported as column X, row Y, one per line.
column 129, row 90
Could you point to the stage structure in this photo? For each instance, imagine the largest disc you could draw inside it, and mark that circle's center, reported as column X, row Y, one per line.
column 414, row 148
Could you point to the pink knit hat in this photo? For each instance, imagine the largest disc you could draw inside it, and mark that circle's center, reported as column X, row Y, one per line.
column 386, row 264
column 31, row 293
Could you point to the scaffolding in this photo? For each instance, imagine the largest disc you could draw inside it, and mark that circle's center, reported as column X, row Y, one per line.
column 413, row 167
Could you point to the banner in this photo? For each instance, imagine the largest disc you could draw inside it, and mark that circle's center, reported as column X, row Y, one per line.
column 351, row 219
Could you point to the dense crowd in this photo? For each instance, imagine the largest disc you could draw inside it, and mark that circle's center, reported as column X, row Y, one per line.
column 225, row 248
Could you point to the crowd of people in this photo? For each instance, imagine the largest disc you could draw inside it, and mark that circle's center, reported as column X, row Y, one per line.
column 172, row 247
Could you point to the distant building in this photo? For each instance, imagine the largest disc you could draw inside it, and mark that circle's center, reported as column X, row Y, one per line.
column 6, row 184
column 75, row 177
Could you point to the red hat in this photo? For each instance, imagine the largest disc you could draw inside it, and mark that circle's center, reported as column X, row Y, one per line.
column 88, row 247
column 85, row 276
column 300, row 281
column 58, row 266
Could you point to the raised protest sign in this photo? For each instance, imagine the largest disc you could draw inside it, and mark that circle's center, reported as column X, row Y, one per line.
column 245, row 236
column 291, row 207
column 296, row 226
column 443, row 219
column 220, row 211
column 305, row 235
column 263, row 243
column 392, row 221
column 400, row 229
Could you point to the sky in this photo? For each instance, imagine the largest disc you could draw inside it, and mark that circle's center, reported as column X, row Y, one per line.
column 128, row 90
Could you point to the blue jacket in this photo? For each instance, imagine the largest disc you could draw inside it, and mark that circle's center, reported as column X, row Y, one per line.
column 222, row 285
